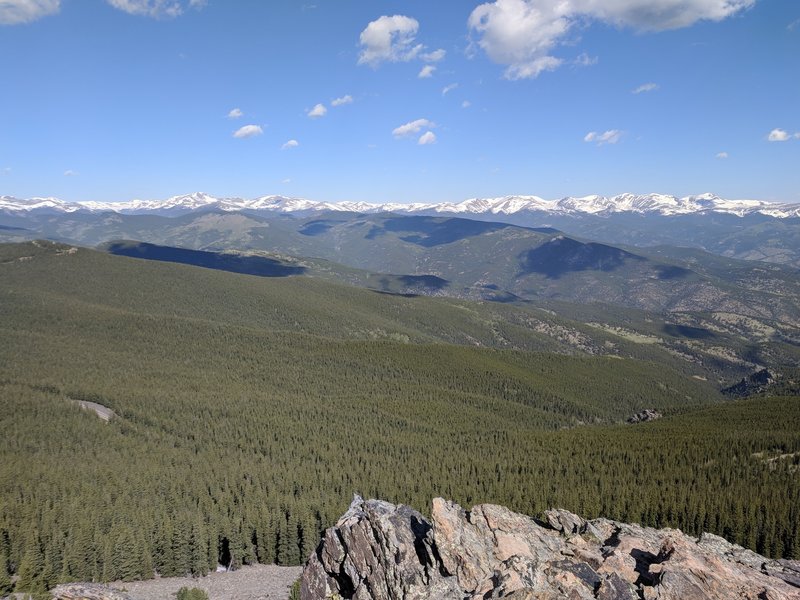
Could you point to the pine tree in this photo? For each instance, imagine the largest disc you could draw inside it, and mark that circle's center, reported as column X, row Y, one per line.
column 5, row 577
column 32, row 567
column 199, row 549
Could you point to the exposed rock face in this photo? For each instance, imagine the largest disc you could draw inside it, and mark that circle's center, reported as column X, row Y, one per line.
column 377, row 550
column 87, row 591
column 648, row 414
column 384, row 552
column 756, row 383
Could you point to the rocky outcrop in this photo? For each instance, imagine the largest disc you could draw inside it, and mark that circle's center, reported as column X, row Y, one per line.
column 87, row 591
column 384, row 552
column 757, row 383
column 643, row 416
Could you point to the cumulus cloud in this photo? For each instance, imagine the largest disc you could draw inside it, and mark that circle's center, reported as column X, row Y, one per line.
column 427, row 138
column 248, row 131
column 14, row 12
column 235, row 113
column 466, row 104
column 426, row 71
column 389, row 39
column 522, row 34
column 645, row 87
column 722, row 155
column 156, row 8
column 449, row 88
column 612, row 136
column 778, row 135
column 412, row 127
column 70, row 173
column 290, row 144
column 319, row 110
column 346, row 99
column 434, row 56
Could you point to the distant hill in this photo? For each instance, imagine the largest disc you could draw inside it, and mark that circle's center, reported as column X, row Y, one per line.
column 538, row 264
column 742, row 229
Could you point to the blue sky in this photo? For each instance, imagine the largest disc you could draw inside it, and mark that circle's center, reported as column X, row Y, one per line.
column 122, row 99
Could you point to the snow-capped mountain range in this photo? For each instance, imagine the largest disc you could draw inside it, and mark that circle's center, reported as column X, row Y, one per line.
column 655, row 204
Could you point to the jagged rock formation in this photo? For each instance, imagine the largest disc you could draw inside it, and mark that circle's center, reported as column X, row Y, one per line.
column 87, row 591
column 643, row 416
column 756, row 383
column 384, row 552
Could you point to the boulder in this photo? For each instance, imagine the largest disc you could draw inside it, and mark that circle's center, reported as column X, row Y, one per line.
column 385, row 552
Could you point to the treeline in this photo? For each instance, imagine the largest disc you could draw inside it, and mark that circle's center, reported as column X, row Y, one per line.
column 236, row 444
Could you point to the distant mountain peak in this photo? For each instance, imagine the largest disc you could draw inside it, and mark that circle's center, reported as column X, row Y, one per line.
column 644, row 204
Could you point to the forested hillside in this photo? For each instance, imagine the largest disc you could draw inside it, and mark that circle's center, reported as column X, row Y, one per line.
column 248, row 410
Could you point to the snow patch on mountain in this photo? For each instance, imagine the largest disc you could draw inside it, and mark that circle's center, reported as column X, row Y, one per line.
column 646, row 204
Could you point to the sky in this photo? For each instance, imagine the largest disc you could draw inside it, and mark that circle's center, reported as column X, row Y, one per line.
column 399, row 101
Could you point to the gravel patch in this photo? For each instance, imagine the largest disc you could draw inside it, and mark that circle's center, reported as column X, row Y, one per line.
column 257, row 582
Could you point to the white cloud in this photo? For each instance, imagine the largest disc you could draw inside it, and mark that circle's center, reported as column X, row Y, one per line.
column 70, row 173
column 156, row 8
column 319, row 110
column 290, row 144
column 248, row 131
column 522, row 34
column 427, row 138
column 235, row 113
column 612, row 136
column 434, row 56
column 346, row 99
column 426, row 71
column 793, row 25
column 584, row 60
column 287, row 180
column 5, row 171
column 412, row 127
column 722, row 155
column 389, row 39
column 449, row 88
column 645, row 87
column 778, row 135
column 466, row 104
column 13, row 12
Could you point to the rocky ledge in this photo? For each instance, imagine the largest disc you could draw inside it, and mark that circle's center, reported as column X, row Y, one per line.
column 385, row 552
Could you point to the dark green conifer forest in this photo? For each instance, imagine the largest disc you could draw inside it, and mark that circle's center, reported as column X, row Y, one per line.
column 248, row 411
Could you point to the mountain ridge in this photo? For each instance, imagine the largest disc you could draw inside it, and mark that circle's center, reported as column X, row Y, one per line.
column 597, row 205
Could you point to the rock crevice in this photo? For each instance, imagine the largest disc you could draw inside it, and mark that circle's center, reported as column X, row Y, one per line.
column 379, row 551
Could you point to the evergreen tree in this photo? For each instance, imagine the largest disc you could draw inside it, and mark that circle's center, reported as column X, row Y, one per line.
column 5, row 577
column 31, row 572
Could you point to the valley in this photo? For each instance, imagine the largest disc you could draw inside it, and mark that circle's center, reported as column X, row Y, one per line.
column 482, row 299
column 223, row 382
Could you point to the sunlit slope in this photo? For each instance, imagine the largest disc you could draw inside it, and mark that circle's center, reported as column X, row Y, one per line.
column 88, row 323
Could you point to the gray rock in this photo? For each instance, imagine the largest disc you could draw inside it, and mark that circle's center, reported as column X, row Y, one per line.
column 87, row 591
column 565, row 521
column 377, row 551
column 643, row 416
column 381, row 551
